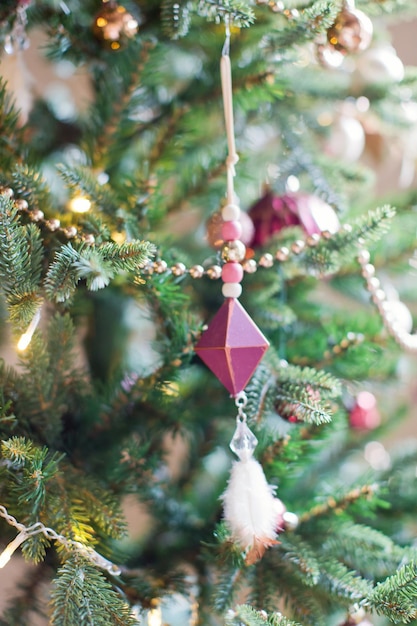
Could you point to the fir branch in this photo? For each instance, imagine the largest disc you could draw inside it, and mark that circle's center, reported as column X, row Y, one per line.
column 300, row 554
column 29, row 184
column 246, row 615
column 303, row 392
column 338, row 504
column 62, row 276
column 230, row 581
column 342, row 583
column 366, row 549
column 327, row 257
column 93, row 224
column 115, row 86
column 20, row 264
column 306, row 26
column 10, row 135
column 82, row 180
column 30, row 471
column 239, row 12
column 49, row 384
column 367, row 229
column 396, row 596
column 81, row 595
column 276, row 619
column 18, row 451
column 387, row 7
column 175, row 18
column 99, row 505
column 127, row 257
column 96, row 265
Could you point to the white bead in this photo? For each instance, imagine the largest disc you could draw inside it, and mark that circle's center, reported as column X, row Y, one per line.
column 232, row 290
column 368, row 270
column 230, row 212
column 364, row 257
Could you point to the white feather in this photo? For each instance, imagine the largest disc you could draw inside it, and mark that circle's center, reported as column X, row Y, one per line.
column 249, row 505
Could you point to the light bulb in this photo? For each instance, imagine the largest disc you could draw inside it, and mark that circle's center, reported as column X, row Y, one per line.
column 80, row 204
column 155, row 617
column 26, row 338
column 9, row 550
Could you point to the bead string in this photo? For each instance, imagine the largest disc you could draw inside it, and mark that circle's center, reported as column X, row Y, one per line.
column 407, row 341
column 38, row 216
column 38, row 528
column 267, row 260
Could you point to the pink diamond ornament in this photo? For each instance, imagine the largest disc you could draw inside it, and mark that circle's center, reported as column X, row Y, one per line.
column 232, row 346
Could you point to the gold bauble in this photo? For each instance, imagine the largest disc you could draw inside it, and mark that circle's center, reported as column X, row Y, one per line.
column 351, row 32
column 113, row 25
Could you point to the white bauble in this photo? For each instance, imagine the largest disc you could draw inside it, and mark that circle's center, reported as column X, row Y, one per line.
column 378, row 65
column 346, row 140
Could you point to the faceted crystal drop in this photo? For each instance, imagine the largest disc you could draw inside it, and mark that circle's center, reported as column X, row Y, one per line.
column 243, row 442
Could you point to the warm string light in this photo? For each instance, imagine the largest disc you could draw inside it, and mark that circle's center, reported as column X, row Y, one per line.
column 11, row 548
column 155, row 616
column 26, row 338
column 38, row 528
column 79, row 204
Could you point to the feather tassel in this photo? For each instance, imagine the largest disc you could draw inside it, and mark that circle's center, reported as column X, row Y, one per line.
column 250, row 508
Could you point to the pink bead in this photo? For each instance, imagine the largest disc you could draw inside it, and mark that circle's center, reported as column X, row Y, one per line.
column 231, row 230
column 232, row 272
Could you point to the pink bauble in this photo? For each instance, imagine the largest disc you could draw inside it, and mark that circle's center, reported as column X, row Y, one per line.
column 273, row 213
column 365, row 415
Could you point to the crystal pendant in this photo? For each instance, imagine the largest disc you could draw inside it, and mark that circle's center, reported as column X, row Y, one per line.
column 243, row 442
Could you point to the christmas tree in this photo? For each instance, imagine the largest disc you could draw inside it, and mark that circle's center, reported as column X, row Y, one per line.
column 194, row 252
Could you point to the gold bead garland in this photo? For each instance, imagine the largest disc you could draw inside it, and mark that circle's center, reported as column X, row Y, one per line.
column 52, row 225
column 405, row 339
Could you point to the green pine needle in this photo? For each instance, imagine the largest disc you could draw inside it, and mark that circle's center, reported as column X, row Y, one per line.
column 239, row 12
column 175, row 18
column 304, row 394
column 20, row 264
column 81, row 595
column 96, row 265
column 396, row 596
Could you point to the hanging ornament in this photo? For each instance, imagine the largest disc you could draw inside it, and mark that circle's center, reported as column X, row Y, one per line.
column 272, row 213
column 231, row 347
column 250, row 508
column 378, row 65
column 352, row 30
column 364, row 414
column 113, row 25
column 346, row 140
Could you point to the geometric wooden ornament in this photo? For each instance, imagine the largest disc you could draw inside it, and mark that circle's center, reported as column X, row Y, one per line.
column 232, row 346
